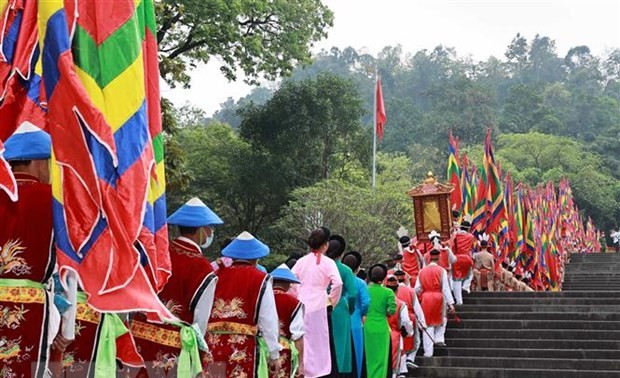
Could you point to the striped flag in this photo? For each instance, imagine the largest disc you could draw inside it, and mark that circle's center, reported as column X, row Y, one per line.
column 480, row 210
column 466, row 187
column 19, row 82
column 454, row 175
column 108, row 192
column 495, row 193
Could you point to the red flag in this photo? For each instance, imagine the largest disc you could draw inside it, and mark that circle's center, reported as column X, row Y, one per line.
column 380, row 110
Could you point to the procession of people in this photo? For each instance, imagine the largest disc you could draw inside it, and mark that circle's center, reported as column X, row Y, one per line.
column 320, row 315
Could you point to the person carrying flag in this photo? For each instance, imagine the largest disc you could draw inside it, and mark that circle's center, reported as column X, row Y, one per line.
column 188, row 294
column 463, row 243
column 484, row 266
column 27, row 262
column 291, row 321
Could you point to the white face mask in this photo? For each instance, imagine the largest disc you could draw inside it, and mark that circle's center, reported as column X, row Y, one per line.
column 209, row 241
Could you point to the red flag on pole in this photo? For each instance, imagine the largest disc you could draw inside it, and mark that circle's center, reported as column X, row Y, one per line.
column 380, row 111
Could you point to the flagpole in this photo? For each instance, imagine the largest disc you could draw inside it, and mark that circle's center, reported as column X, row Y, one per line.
column 374, row 133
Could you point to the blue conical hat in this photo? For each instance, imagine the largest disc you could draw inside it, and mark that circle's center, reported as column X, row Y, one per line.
column 283, row 273
column 246, row 247
column 194, row 214
column 28, row 143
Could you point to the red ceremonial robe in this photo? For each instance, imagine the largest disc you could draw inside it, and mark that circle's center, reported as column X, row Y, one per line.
column 405, row 294
column 431, row 298
column 394, row 322
column 80, row 356
column 233, row 326
column 462, row 246
column 412, row 263
column 160, row 344
column 288, row 307
column 27, row 259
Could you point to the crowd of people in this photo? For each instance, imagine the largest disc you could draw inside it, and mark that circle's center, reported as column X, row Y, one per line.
column 317, row 315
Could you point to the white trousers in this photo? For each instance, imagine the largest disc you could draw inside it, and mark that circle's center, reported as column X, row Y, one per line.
column 467, row 281
column 438, row 334
column 410, row 356
column 457, row 290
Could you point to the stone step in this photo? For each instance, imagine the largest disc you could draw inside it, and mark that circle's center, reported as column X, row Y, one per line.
column 460, row 372
column 521, row 363
column 581, row 287
column 575, row 316
column 544, row 301
column 593, row 354
column 524, row 343
column 542, row 294
column 549, row 334
column 489, row 324
column 536, row 308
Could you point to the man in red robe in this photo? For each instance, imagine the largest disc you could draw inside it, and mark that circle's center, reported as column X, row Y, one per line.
column 401, row 326
column 291, row 321
column 413, row 260
column 435, row 296
column 30, row 320
column 188, row 293
column 243, row 328
column 446, row 256
column 463, row 243
column 407, row 294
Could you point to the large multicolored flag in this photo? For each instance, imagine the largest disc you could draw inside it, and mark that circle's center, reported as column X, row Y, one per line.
column 108, row 193
column 454, row 174
column 494, row 191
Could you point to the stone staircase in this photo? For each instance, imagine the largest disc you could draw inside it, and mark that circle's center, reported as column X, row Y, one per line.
column 570, row 334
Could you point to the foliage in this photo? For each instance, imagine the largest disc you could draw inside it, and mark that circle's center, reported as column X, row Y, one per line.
column 311, row 128
column 236, row 180
column 368, row 218
column 268, row 37
column 551, row 157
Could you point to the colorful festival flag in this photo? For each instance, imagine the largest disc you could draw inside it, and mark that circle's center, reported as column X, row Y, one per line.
column 454, row 174
column 108, row 193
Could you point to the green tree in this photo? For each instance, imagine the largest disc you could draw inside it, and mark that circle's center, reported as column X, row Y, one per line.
column 312, row 128
column 524, row 110
column 459, row 105
column 535, row 158
column 367, row 218
column 268, row 37
column 237, row 180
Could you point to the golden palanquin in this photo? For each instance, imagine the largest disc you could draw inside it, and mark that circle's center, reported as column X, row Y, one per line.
column 431, row 208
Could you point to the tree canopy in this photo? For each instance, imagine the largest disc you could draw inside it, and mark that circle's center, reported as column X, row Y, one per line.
column 257, row 37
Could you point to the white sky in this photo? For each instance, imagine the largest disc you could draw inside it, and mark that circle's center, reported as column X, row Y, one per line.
column 478, row 28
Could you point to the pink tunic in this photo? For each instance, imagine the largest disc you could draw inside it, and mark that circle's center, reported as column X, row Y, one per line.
column 316, row 272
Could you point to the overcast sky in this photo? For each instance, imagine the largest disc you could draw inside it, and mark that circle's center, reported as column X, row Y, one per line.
column 478, row 28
